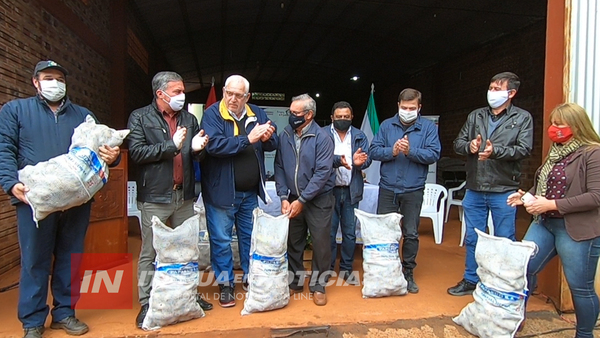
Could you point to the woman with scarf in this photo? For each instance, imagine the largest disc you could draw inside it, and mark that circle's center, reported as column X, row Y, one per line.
column 566, row 209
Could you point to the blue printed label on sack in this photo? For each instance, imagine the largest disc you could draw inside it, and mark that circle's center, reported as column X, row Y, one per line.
column 381, row 252
column 509, row 296
column 203, row 234
column 174, row 269
column 269, row 259
column 386, row 247
column 91, row 159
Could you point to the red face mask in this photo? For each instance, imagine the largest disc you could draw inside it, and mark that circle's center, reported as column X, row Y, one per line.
column 559, row 134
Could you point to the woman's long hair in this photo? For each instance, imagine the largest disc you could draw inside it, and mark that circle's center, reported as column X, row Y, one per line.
column 577, row 118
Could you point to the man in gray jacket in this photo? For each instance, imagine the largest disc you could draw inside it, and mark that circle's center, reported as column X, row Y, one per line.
column 304, row 179
column 495, row 139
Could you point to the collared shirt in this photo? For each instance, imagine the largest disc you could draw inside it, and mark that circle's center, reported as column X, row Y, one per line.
column 235, row 117
column 495, row 120
column 495, row 117
column 177, row 160
column 62, row 103
column 342, row 174
column 298, row 139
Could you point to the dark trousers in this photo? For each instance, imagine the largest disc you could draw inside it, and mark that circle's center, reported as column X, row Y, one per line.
column 409, row 206
column 60, row 235
column 316, row 218
column 343, row 216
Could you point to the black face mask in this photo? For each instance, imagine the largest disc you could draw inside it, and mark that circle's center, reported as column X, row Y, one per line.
column 296, row 121
column 342, row 125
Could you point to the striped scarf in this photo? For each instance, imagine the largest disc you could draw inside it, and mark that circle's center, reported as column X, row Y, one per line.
column 556, row 154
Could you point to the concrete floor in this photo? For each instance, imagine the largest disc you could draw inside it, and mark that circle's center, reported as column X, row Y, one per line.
column 347, row 314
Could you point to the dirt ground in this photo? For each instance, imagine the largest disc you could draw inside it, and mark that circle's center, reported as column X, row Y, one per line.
column 425, row 314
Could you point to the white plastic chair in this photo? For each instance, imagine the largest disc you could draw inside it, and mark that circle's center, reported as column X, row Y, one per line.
column 132, row 209
column 454, row 201
column 463, row 228
column 429, row 209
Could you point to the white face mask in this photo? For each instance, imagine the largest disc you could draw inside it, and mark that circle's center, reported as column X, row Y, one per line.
column 407, row 116
column 52, row 90
column 497, row 98
column 176, row 102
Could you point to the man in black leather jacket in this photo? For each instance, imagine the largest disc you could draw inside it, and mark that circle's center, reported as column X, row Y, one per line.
column 164, row 141
column 495, row 139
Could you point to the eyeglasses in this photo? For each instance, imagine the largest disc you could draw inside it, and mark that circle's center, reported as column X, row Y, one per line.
column 236, row 95
column 297, row 113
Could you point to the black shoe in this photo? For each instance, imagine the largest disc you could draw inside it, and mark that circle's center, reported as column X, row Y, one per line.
column 463, row 288
column 349, row 278
column 412, row 285
column 226, row 299
column 33, row 332
column 206, row 306
column 71, row 325
column 139, row 320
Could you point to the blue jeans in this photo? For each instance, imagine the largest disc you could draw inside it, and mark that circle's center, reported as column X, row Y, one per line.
column 579, row 261
column 60, row 235
column 343, row 215
column 219, row 222
column 476, row 206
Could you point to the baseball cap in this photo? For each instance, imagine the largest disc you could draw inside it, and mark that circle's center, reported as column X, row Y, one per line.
column 48, row 64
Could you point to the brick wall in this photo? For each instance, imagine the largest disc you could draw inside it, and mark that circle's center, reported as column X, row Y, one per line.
column 94, row 13
column 28, row 34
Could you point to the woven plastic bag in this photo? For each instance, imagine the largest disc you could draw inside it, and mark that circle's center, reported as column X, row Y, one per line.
column 175, row 284
column 381, row 261
column 268, row 271
column 204, row 263
column 71, row 179
column 235, row 251
column 203, row 239
column 499, row 306
column 179, row 245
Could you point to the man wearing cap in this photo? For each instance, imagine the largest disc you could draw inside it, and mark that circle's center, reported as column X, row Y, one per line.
column 33, row 130
column 164, row 140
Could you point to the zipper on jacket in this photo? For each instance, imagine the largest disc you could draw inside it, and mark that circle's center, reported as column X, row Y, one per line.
column 297, row 165
column 298, row 162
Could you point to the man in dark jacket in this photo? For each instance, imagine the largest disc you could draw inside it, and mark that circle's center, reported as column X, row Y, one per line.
column 406, row 145
column 304, row 179
column 495, row 139
column 164, row 140
column 349, row 160
column 233, row 175
column 34, row 130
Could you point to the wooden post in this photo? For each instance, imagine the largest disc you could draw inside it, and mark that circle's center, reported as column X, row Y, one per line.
column 550, row 280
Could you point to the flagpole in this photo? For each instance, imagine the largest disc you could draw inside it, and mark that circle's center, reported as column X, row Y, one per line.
column 370, row 127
